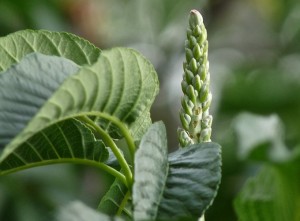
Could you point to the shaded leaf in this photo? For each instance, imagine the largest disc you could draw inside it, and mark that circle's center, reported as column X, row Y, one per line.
column 15, row 46
column 151, row 168
column 193, row 179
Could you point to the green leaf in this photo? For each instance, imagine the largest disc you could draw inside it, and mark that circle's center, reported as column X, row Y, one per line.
column 273, row 194
column 77, row 211
column 112, row 201
column 151, row 167
column 16, row 45
column 193, row 179
column 25, row 87
column 261, row 138
column 120, row 86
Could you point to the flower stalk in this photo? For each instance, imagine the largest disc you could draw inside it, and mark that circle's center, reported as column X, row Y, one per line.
column 194, row 113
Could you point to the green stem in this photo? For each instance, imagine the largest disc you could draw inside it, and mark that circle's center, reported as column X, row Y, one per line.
column 123, row 129
column 102, row 166
column 123, row 203
column 110, row 143
column 202, row 218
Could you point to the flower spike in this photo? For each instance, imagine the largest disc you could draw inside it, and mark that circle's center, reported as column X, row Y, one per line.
column 194, row 112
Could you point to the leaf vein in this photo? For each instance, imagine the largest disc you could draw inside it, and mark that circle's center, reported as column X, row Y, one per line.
column 66, row 140
column 51, row 144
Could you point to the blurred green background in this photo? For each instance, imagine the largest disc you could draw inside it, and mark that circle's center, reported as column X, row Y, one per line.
column 254, row 53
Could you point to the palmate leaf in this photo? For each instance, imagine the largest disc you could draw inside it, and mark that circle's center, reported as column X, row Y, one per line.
column 180, row 186
column 16, row 45
column 120, row 85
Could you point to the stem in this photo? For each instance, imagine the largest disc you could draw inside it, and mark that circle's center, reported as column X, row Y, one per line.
column 102, row 166
column 110, row 143
column 124, row 130
column 123, row 203
column 202, row 218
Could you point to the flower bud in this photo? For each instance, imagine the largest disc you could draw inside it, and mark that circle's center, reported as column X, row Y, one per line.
column 194, row 113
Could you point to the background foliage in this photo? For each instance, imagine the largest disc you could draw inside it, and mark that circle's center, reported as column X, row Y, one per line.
column 254, row 63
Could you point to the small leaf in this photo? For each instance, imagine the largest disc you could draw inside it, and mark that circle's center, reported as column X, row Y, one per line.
column 77, row 211
column 261, row 138
column 151, row 167
column 193, row 179
column 15, row 46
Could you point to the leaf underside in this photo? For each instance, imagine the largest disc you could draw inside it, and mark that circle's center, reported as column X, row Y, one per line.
column 25, row 87
column 66, row 141
column 120, row 85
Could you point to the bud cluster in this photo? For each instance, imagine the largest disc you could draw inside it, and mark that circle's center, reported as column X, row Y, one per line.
column 194, row 113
